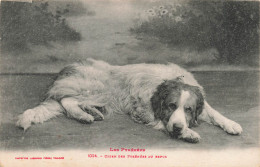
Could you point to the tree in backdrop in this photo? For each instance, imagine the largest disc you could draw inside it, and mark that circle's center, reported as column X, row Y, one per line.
column 32, row 23
column 230, row 27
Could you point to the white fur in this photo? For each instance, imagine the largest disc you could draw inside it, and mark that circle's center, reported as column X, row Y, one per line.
column 178, row 117
column 39, row 114
column 210, row 115
column 126, row 89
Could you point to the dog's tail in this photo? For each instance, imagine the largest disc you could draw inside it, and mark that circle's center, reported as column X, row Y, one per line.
column 43, row 112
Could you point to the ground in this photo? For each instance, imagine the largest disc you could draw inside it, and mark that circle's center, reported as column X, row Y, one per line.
column 234, row 94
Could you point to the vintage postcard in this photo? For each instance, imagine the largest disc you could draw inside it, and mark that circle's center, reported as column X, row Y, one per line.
column 129, row 83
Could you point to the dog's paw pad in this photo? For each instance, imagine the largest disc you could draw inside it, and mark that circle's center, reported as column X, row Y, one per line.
column 232, row 127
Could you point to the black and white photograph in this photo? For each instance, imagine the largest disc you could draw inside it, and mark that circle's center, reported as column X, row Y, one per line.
column 129, row 83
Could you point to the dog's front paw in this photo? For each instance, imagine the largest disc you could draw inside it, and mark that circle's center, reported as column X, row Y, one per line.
column 190, row 136
column 93, row 111
column 24, row 120
column 232, row 127
column 86, row 118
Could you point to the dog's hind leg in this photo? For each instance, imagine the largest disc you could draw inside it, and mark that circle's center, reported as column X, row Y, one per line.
column 73, row 110
column 45, row 111
column 94, row 109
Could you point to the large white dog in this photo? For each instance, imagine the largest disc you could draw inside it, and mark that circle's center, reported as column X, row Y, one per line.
column 166, row 97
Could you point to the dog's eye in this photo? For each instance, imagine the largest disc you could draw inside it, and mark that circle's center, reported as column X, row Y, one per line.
column 172, row 106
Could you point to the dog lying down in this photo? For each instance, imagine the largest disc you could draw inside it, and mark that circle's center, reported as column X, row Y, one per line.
column 165, row 97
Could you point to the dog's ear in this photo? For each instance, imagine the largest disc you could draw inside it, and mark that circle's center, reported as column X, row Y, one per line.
column 199, row 98
column 157, row 102
column 160, row 95
column 200, row 101
column 157, row 99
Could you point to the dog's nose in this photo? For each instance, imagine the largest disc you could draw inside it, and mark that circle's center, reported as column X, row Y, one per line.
column 176, row 130
column 178, row 126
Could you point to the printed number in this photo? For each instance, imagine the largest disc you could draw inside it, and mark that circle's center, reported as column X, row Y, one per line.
column 92, row 155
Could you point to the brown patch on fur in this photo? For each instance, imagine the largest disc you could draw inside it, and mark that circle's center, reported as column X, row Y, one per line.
column 171, row 89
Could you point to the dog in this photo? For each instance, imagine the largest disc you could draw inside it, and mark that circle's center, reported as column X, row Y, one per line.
column 166, row 97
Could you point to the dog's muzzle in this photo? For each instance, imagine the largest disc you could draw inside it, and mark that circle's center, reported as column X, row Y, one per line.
column 176, row 131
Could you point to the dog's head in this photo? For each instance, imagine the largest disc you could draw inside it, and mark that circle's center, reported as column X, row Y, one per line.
column 177, row 105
